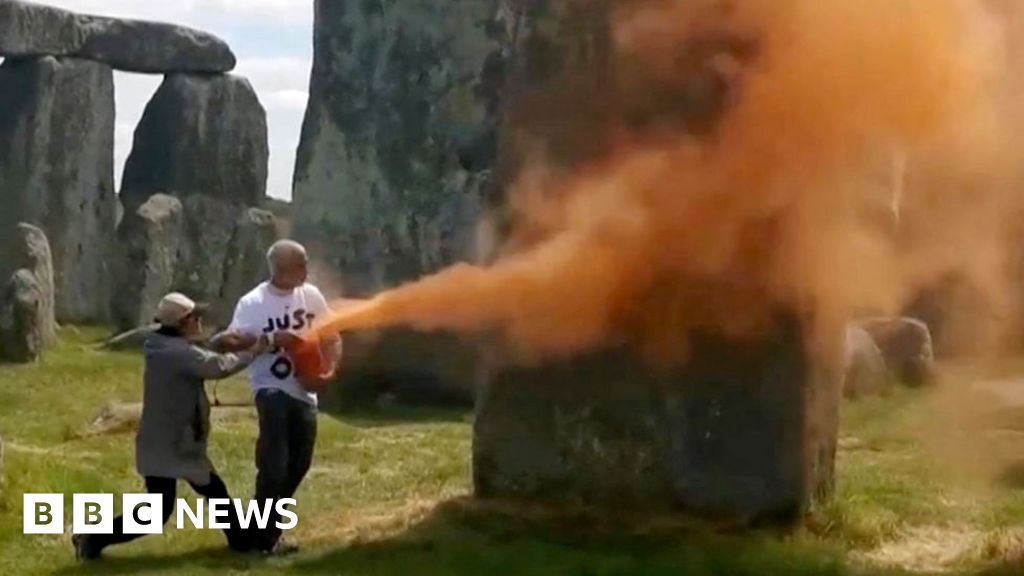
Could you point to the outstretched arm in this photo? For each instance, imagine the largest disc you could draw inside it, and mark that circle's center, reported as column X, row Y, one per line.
column 232, row 341
column 241, row 335
column 212, row 366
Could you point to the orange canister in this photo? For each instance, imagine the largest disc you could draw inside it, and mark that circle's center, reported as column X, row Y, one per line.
column 308, row 358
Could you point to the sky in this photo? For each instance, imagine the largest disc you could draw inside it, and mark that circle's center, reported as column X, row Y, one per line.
column 273, row 41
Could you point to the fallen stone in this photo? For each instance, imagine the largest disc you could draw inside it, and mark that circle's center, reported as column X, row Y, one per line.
column 120, row 418
column 56, row 172
column 27, row 248
column 906, row 345
column 21, row 336
column 29, row 30
column 865, row 372
column 149, row 240
column 199, row 136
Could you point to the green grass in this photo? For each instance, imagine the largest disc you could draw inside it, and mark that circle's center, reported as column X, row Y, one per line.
column 389, row 495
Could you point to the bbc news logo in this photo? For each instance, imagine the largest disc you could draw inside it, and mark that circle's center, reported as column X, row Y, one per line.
column 144, row 513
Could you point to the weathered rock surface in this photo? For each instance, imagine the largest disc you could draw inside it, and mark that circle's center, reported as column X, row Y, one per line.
column 962, row 319
column 213, row 251
column 149, row 240
column 745, row 429
column 21, row 335
column 28, row 29
column 742, row 431
column 865, row 371
column 199, row 136
column 209, row 226
column 56, row 172
column 29, row 249
column 408, row 367
column 906, row 345
column 400, row 135
column 395, row 164
column 246, row 262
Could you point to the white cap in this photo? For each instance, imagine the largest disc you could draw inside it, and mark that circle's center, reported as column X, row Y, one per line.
column 174, row 308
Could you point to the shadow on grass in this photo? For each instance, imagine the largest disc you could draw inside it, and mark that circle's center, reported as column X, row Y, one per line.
column 219, row 559
column 461, row 537
column 464, row 537
column 368, row 416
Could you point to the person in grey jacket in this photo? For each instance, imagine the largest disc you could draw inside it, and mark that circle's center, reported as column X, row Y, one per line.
column 175, row 423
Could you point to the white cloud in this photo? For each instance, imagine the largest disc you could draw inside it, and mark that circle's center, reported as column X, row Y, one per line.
column 284, row 73
column 280, row 11
column 286, row 100
column 194, row 12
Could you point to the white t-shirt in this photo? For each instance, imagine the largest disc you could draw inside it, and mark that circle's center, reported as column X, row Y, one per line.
column 266, row 310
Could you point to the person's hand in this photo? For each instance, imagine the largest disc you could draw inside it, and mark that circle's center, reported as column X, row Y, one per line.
column 263, row 344
column 286, row 340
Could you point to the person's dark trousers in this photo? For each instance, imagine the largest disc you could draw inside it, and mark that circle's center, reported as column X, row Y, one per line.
column 284, row 452
column 238, row 539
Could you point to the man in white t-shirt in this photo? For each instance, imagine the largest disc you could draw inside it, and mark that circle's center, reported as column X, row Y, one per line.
column 277, row 310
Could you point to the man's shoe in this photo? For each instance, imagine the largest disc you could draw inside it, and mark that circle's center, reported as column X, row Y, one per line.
column 84, row 552
column 282, row 547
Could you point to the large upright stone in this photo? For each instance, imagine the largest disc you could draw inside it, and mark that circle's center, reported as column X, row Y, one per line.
column 28, row 29
column 21, row 335
column 209, row 226
column 149, row 241
column 399, row 136
column 56, row 172
column 30, row 250
column 744, row 428
column 203, row 136
column 214, row 251
column 246, row 265
column 744, row 431
column 395, row 163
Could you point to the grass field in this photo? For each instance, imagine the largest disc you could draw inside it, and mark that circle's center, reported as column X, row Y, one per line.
column 389, row 495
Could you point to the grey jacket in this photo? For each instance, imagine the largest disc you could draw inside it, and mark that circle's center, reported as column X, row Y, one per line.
column 175, row 423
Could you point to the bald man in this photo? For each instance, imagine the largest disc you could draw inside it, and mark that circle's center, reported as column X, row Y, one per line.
column 287, row 406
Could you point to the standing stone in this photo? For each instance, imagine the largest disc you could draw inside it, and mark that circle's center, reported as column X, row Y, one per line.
column 149, row 241
column 21, row 335
column 745, row 429
column 56, row 172
column 199, row 136
column 399, row 136
column 246, row 264
column 30, row 250
column 209, row 227
column 742, row 431
column 28, row 29
column 211, row 250
column 394, row 167
column 865, row 371
column 906, row 345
